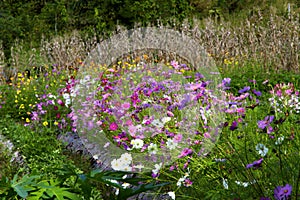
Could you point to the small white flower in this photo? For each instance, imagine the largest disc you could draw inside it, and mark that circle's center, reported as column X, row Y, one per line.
column 152, row 148
column 116, row 165
column 262, row 149
column 179, row 182
column 125, row 185
column 157, row 168
column 165, row 119
column 157, row 123
column 66, row 96
column 172, row 195
column 279, row 140
column 225, row 183
column 126, row 168
column 137, row 143
column 120, row 165
column 52, row 96
column 171, row 144
column 244, row 184
column 68, row 102
column 126, row 158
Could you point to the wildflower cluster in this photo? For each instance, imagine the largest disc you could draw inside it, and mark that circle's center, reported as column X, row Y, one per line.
column 162, row 111
column 285, row 98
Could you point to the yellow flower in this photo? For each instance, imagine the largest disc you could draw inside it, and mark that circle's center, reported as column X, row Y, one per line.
column 18, row 91
column 45, row 123
column 55, row 123
column 16, row 101
column 27, row 120
column 22, row 106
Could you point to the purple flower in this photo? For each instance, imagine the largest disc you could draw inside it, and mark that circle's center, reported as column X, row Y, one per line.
column 262, row 124
column 257, row 93
column 283, row 192
column 225, row 83
column 264, row 198
column 198, row 76
column 256, row 164
column 135, row 98
column 185, row 152
column 245, row 89
column 113, row 126
column 234, row 125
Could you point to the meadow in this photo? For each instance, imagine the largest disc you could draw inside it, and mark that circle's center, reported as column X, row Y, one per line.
column 238, row 143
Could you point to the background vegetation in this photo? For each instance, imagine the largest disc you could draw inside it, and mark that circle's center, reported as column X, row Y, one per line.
column 33, row 20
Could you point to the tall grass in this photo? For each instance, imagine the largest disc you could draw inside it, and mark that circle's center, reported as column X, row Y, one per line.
column 271, row 41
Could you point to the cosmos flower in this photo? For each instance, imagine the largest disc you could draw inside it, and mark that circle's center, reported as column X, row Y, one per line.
column 245, row 89
column 256, row 164
column 113, row 126
column 262, row 150
column 283, row 192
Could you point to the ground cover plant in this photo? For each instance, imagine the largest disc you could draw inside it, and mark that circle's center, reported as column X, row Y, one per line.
column 255, row 152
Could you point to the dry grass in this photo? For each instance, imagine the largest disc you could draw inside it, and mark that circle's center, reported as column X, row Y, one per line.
column 271, row 43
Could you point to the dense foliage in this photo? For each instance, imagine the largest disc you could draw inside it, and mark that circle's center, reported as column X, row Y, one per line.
column 33, row 20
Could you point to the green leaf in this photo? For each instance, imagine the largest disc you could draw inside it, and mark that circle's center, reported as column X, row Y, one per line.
column 24, row 185
column 52, row 189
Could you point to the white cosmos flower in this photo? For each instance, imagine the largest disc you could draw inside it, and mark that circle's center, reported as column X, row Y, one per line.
column 66, row 96
column 52, row 96
column 120, row 165
column 137, row 143
column 262, row 149
column 244, row 184
column 279, row 140
column 126, row 158
column 125, row 185
column 165, row 119
column 152, row 148
column 172, row 195
column 67, row 102
column 157, row 168
column 157, row 123
column 225, row 183
column 179, row 182
column 171, row 144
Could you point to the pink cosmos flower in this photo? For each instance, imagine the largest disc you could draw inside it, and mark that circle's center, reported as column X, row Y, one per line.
column 105, row 96
column 177, row 138
column 185, row 152
column 126, row 105
column 132, row 130
column 113, row 126
column 175, row 64
column 128, row 122
column 170, row 114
